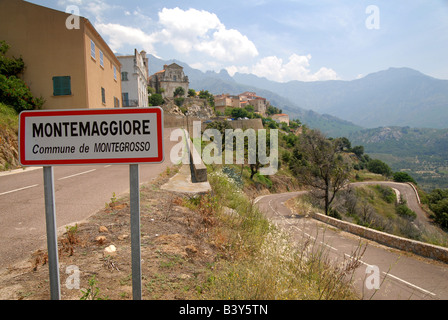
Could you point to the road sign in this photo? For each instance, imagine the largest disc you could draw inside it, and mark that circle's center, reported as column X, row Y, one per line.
column 107, row 136
column 94, row 136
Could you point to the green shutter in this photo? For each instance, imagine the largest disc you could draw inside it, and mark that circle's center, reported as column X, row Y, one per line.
column 62, row 86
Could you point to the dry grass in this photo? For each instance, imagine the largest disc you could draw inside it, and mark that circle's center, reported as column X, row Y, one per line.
column 260, row 262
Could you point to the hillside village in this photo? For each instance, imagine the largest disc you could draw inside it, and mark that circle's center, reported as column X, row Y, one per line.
column 87, row 73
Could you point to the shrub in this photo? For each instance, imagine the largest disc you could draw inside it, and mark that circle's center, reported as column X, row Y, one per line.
column 156, row 99
column 14, row 92
column 440, row 210
column 403, row 211
column 386, row 193
column 403, row 177
column 379, row 167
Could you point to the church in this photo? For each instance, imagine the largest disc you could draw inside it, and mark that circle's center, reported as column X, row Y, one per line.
column 166, row 81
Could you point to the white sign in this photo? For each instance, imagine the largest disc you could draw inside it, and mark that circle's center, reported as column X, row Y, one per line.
column 94, row 136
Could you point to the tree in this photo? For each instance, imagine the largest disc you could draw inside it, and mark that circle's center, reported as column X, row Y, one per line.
column 345, row 144
column 273, row 110
column 403, row 177
column 204, row 94
column 438, row 203
column 379, row 167
column 179, row 92
column 249, row 108
column 9, row 66
column 319, row 164
column 156, row 99
column 191, row 93
column 358, row 151
column 239, row 113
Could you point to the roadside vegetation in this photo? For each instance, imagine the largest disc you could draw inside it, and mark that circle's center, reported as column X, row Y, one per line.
column 15, row 96
column 258, row 260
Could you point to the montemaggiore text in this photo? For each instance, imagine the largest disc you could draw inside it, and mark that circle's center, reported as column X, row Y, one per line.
column 91, row 128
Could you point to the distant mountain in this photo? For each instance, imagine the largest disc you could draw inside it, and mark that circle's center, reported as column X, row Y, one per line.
column 222, row 82
column 394, row 97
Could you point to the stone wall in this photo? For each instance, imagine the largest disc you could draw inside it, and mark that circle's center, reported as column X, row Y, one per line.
column 179, row 121
column 417, row 247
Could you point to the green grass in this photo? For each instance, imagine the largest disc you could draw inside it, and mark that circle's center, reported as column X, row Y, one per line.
column 9, row 117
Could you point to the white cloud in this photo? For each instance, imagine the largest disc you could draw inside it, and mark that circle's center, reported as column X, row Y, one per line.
column 228, row 45
column 120, row 36
column 201, row 34
column 296, row 68
column 190, row 31
column 94, row 10
column 202, row 31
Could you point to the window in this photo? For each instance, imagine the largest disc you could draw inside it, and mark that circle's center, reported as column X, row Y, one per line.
column 92, row 49
column 124, row 76
column 103, row 95
column 62, row 86
column 101, row 58
column 125, row 97
column 116, row 102
column 115, row 73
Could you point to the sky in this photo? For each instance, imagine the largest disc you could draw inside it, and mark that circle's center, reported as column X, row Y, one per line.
column 282, row 40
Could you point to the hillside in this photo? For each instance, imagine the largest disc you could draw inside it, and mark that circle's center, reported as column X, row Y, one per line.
column 9, row 148
column 422, row 152
column 393, row 97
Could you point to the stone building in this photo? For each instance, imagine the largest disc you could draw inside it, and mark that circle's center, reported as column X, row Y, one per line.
column 226, row 100
column 171, row 77
column 260, row 104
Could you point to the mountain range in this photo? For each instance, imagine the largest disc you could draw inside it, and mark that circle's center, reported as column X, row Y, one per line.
column 399, row 115
column 393, row 97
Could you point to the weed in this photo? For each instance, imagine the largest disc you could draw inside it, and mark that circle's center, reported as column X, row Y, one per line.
column 113, row 201
column 92, row 292
column 71, row 239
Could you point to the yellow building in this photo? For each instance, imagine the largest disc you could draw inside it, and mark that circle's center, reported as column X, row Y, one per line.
column 67, row 61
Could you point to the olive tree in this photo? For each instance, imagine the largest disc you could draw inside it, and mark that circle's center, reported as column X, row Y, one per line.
column 319, row 164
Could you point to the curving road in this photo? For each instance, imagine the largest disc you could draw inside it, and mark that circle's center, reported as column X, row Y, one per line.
column 407, row 192
column 402, row 275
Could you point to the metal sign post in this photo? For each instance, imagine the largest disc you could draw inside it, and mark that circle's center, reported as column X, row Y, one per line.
column 52, row 238
column 135, row 231
column 88, row 137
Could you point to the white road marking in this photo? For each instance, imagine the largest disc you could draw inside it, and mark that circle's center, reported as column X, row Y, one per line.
column 397, row 278
column 20, row 189
column 409, row 284
column 386, row 274
column 77, row 174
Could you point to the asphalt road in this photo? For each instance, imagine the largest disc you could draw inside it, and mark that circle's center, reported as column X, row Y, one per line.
column 401, row 276
column 80, row 191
